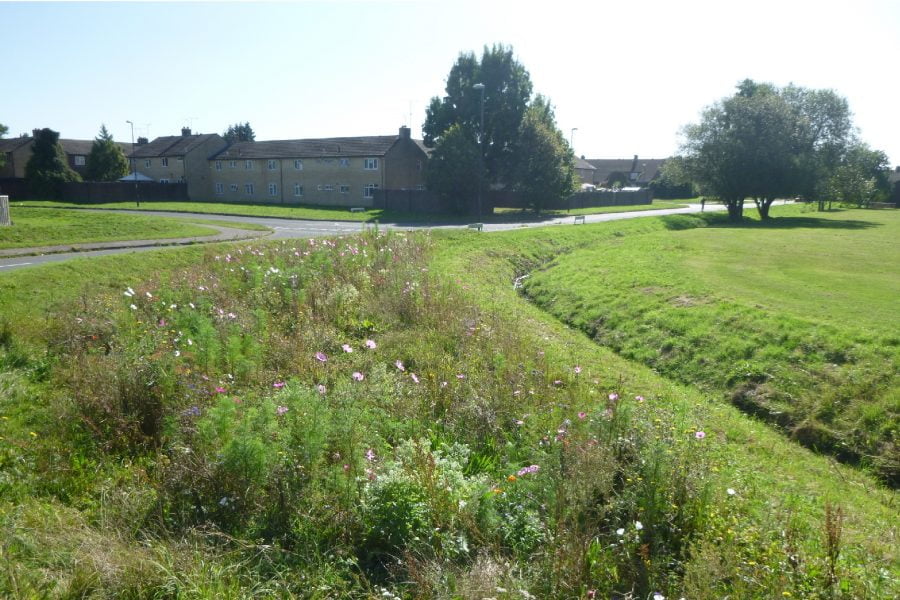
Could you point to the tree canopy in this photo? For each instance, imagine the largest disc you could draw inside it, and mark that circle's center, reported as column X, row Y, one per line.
column 507, row 100
column 765, row 143
column 47, row 168
column 456, row 152
column 106, row 162
column 239, row 132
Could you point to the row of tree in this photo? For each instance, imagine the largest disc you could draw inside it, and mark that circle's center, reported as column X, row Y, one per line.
column 498, row 135
column 766, row 142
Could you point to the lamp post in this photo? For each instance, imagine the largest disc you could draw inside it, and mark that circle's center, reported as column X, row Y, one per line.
column 134, row 165
column 572, row 138
column 480, row 88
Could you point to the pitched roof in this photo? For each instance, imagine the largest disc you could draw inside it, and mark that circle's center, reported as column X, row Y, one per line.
column 8, row 145
column 646, row 168
column 171, row 145
column 375, row 145
column 580, row 163
column 84, row 146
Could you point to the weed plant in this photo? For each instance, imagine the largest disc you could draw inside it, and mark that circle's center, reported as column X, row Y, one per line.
column 329, row 418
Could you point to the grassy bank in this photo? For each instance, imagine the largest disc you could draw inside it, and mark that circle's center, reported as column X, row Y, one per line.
column 795, row 321
column 47, row 227
column 385, row 416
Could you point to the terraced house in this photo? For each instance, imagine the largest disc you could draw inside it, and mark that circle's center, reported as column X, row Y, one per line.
column 179, row 159
column 343, row 171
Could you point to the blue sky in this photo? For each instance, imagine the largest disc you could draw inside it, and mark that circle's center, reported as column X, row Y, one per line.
column 626, row 75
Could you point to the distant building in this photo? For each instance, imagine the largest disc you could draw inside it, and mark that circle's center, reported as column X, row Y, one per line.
column 633, row 172
column 343, row 171
column 584, row 170
column 179, row 159
column 18, row 152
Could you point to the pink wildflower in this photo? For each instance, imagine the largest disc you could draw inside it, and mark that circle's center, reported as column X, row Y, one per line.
column 613, row 397
column 414, row 377
column 320, row 356
column 370, row 455
column 278, row 385
column 220, row 390
column 582, row 415
column 321, row 388
column 281, row 410
column 577, row 369
column 371, row 345
column 347, row 348
column 358, row 376
column 399, row 365
column 700, row 435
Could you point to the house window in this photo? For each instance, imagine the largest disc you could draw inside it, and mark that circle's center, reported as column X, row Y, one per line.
column 165, row 162
column 79, row 161
column 418, row 165
column 180, row 159
column 148, row 162
column 218, row 165
column 369, row 190
column 233, row 187
column 164, row 181
column 298, row 165
column 298, row 189
column 232, row 164
column 319, row 187
column 248, row 189
column 345, row 162
column 370, row 164
column 271, row 165
column 329, row 187
column 248, row 164
column 220, row 189
column 273, row 189
column 345, row 189
column 420, row 187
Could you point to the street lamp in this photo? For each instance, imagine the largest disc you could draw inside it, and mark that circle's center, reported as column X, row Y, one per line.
column 480, row 88
column 572, row 138
column 134, row 165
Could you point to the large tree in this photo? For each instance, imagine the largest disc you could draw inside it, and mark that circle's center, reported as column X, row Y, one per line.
column 106, row 162
column 507, row 92
column 47, row 168
column 860, row 177
column 545, row 163
column 239, row 132
column 763, row 143
column 456, row 152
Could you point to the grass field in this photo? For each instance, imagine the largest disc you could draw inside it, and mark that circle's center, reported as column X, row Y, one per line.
column 337, row 214
column 797, row 321
column 384, row 415
column 48, row 227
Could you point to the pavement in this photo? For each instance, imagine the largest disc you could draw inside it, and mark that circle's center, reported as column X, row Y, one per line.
column 15, row 258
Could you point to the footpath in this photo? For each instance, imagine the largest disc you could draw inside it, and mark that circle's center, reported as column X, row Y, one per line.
column 226, row 234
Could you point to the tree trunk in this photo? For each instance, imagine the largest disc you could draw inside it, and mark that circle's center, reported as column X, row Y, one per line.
column 763, row 207
column 735, row 210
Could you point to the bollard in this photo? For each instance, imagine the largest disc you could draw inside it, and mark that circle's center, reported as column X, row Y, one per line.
column 4, row 211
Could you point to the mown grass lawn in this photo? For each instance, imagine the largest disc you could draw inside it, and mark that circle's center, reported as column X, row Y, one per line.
column 324, row 213
column 384, row 415
column 52, row 227
column 796, row 320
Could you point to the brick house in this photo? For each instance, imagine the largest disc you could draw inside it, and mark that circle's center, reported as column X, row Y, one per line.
column 18, row 152
column 343, row 171
column 636, row 172
column 179, row 159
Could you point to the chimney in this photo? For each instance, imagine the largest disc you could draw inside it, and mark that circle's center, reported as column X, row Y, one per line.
column 634, row 164
column 185, row 131
column 405, row 133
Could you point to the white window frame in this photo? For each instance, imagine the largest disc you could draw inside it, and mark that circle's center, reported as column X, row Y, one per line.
column 220, row 189
column 370, row 164
column 271, row 164
column 345, row 162
column 298, row 164
column 248, row 165
column 273, row 189
column 329, row 187
column 80, row 161
column 249, row 189
column 420, row 187
column 164, row 180
column 148, row 162
column 344, row 189
column 369, row 190
column 232, row 187
column 164, row 161
column 218, row 165
column 298, row 190
column 232, row 164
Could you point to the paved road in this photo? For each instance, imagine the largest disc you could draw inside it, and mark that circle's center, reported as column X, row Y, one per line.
column 296, row 228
